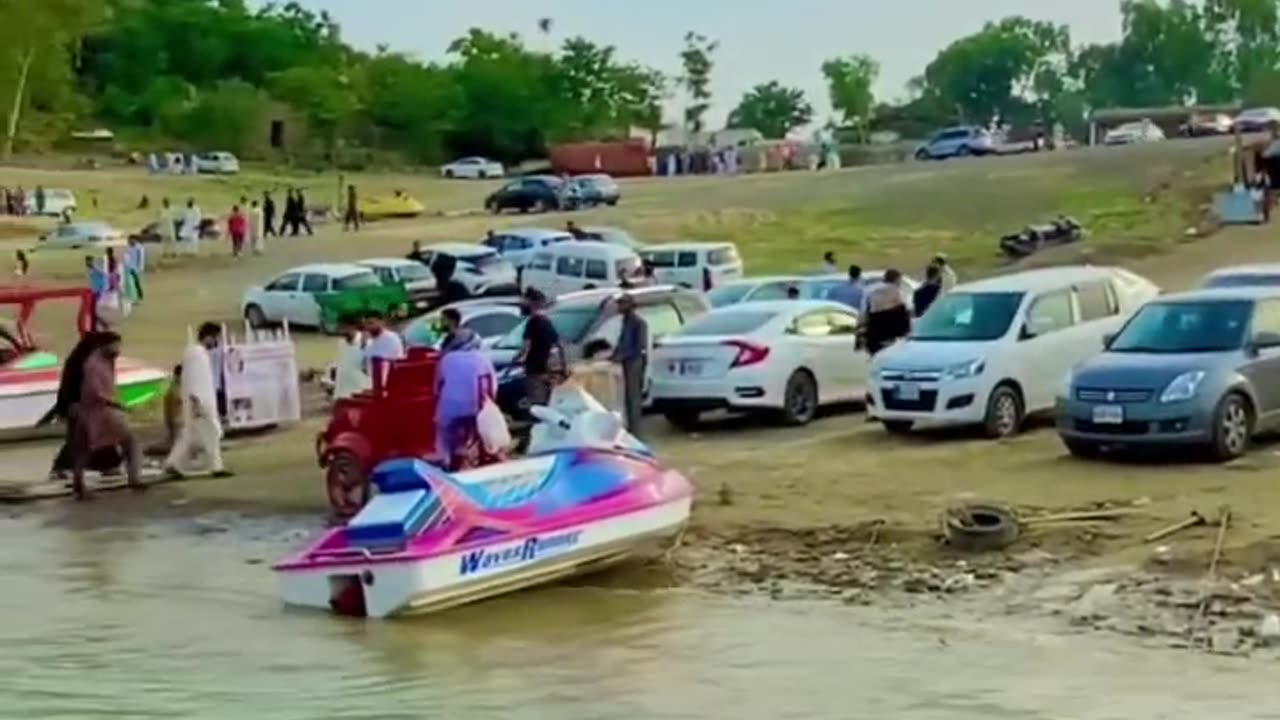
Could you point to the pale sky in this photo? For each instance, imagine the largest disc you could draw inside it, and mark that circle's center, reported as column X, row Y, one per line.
column 760, row 40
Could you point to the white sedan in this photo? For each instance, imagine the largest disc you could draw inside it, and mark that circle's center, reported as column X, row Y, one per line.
column 473, row 168
column 786, row 357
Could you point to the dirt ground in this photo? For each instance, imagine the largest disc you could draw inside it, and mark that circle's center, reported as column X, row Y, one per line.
column 838, row 504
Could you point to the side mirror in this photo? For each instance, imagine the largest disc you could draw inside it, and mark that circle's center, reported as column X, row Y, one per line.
column 1025, row 333
column 1107, row 340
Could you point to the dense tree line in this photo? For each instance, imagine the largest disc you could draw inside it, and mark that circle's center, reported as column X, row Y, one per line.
column 214, row 73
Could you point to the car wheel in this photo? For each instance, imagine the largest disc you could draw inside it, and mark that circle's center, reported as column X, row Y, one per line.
column 494, row 208
column 1004, row 412
column 613, row 202
column 800, row 399
column 1232, row 427
column 898, row 427
column 448, row 174
column 964, row 151
column 922, row 154
column 1083, row 449
column 328, row 326
column 255, row 317
column 687, row 420
column 542, row 206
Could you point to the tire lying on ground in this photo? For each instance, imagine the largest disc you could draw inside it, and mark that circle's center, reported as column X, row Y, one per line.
column 979, row 527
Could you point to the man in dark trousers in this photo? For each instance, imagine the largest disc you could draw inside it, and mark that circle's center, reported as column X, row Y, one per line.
column 268, row 214
column 540, row 355
column 351, row 219
column 924, row 295
column 632, row 354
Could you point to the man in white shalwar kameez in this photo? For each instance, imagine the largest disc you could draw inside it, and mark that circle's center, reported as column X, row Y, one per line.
column 257, row 241
column 349, row 374
column 201, row 430
column 191, row 220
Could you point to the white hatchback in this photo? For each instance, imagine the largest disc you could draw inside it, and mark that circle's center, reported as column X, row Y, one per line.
column 992, row 352
column 786, row 357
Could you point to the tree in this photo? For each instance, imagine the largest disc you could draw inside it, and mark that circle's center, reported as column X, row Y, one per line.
column 850, row 83
column 40, row 40
column 1245, row 35
column 696, row 61
column 1006, row 70
column 772, row 109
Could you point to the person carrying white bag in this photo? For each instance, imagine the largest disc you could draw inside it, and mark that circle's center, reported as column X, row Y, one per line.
column 470, row 429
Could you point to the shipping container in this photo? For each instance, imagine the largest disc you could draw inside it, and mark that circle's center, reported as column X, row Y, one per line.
column 624, row 158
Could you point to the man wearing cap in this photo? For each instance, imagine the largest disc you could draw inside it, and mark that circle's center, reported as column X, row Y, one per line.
column 632, row 354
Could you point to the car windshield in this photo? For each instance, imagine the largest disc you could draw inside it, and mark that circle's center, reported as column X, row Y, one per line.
column 820, row 289
column 1185, row 327
column 415, row 271
column 571, row 324
column 1243, row 280
column 723, row 256
column 728, row 294
column 356, row 281
column 728, row 322
column 960, row 316
column 426, row 331
column 482, row 260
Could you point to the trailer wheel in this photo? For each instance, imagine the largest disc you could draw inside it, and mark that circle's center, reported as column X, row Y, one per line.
column 347, row 484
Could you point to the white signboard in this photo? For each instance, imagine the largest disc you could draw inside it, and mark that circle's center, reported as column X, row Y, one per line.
column 261, row 381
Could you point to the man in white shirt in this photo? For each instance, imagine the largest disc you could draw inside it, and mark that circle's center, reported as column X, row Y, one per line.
column 382, row 345
column 191, row 220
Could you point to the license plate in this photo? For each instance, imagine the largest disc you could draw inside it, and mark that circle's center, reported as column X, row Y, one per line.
column 908, row 391
column 690, row 367
column 1108, row 414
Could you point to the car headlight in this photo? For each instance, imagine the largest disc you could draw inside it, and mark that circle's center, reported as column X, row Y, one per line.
column 1064, row 387
column 1183, row 387
column 966, row 369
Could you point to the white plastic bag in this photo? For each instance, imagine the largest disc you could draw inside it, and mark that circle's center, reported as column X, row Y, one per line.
column 492, row 427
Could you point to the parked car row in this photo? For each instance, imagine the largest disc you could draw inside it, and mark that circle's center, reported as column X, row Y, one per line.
column 548, row 193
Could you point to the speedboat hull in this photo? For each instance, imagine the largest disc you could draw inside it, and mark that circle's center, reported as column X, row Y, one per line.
column 414, row 587
column 27, row 393
column 431, row 540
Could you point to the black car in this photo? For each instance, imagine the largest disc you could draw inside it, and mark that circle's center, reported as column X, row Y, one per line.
column 542, row 193
column 598, row 189
column 588, row 323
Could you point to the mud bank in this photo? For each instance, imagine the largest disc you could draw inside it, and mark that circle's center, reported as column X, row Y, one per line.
column 1099, row 577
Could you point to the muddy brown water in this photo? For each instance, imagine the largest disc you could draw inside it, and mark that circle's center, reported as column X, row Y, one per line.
column 108, row 615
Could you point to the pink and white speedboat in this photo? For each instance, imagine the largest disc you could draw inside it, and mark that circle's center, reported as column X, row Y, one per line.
column 431, row 540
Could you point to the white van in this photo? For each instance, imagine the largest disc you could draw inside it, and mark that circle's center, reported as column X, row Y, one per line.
column 581, row 265
column 698, row 265
column 992, row 352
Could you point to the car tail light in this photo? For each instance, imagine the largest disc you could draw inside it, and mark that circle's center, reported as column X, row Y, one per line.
column 748, row 353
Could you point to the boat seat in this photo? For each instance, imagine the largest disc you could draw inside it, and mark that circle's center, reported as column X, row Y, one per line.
column 400, row 475
column 391, row 519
